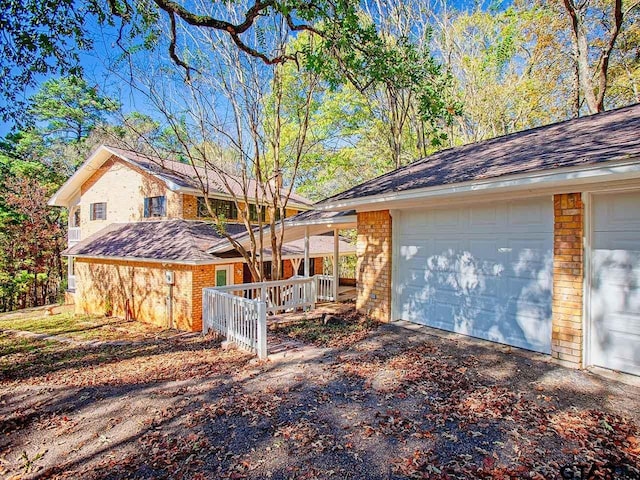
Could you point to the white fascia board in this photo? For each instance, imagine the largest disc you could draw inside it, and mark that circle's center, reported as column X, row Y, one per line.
column 565, row 177
column 152, row 260
column 347, row 219
column 70, row 188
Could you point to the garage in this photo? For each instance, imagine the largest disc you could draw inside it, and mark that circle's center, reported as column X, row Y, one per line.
column 614, row 299
column 483, row 270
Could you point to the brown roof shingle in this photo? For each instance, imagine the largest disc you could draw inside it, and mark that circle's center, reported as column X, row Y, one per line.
column 167, row 240
column 613, row 135
column 184, row 175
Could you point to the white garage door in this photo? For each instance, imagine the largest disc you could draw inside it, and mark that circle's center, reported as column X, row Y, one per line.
column 615, row 282
column 484, row 270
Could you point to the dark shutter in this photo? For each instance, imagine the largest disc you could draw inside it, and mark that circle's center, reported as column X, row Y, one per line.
column 147, row 207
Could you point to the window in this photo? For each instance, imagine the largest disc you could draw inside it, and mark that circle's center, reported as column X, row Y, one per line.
column 253, row 213
column 221, row 208
column 98, row 211
column 154, row 207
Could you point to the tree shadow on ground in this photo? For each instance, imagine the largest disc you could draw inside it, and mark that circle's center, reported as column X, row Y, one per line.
column 389, row 403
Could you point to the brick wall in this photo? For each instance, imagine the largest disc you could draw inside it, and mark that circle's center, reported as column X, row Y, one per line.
column 373, row 271
column 203, row 276
column 189, row 207
column 318, row 265
column 123, row 188
column 287, row 270
column 238, row 273
column 142, row 284
column 566, row 340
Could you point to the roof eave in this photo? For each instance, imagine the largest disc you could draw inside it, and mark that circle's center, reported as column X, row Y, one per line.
column 150, row 260
column 556, row 178
column 329, row 223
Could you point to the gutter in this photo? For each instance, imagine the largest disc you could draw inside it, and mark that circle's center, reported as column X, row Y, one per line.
column 151, row 260
column 537, row 180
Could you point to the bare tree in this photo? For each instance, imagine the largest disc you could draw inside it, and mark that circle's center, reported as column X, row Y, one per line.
column 592, row 77
column 227, row 121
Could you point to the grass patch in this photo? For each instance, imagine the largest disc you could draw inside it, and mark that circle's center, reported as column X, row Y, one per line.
column 79, row 327
column 338, row 333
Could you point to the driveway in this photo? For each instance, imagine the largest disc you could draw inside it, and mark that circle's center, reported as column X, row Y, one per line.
column 360, row 402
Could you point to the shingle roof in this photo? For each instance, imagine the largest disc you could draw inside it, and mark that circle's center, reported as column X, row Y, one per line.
column 170, row 240
column 183, row 175
column 182, row 241
column 613, row 135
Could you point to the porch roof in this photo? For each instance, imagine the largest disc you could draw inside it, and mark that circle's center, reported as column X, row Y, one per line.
column 312, row 222
column 182, row 241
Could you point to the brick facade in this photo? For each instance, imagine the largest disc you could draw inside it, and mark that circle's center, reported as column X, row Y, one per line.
column 123, row 188
column 203, row 276
column 568, row 274
column 238, row 273
column 142, row 286
column 373, row 271
column 287, row 269
column 318, row 265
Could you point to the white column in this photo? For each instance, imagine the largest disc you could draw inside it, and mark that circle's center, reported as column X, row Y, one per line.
column 306, row 251
column 336, row 259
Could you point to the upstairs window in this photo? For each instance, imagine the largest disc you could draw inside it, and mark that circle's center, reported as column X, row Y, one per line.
column 155, row 207
column 221, row 208
column 253, row 213
column 98, row 211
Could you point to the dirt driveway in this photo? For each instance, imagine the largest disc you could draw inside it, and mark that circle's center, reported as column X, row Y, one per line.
column 362, row 403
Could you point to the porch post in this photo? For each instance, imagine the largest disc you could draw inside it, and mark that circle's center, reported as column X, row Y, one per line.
column 306, row 251
column 336, row 259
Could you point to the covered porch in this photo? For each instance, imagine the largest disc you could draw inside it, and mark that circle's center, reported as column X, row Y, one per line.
column 243, row 312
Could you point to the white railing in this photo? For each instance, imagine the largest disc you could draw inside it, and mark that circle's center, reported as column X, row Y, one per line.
column 241, row 320
column 279, row 296
column 71, row 282
column 239, row 312
column 324, row 288
column 73, row 235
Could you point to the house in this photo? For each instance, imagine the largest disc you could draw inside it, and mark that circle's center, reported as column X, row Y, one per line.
column 140, row 241
column 530, row 239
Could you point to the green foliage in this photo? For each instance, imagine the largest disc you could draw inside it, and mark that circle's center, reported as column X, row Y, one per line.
column 68, row 109
column 34, row 162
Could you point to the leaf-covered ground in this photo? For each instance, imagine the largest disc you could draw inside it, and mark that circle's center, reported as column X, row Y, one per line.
column 358, row 402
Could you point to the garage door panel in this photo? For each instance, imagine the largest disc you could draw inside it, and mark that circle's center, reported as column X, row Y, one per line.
column 532, row 216
column 484, row 278
column 617, row 213
column 445, row 220
column 615, row 282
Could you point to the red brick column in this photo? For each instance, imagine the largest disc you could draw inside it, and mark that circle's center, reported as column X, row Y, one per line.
column 318, row 265
column 568, row 274
column 238, row 273
column 373, row 272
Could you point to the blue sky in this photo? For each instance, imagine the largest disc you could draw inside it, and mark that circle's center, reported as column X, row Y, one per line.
column 95, row 63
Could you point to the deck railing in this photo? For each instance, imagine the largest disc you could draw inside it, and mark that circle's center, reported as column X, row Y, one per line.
column 241, row 320
column 239, row 312
column 73, row 235
column 324, row 288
